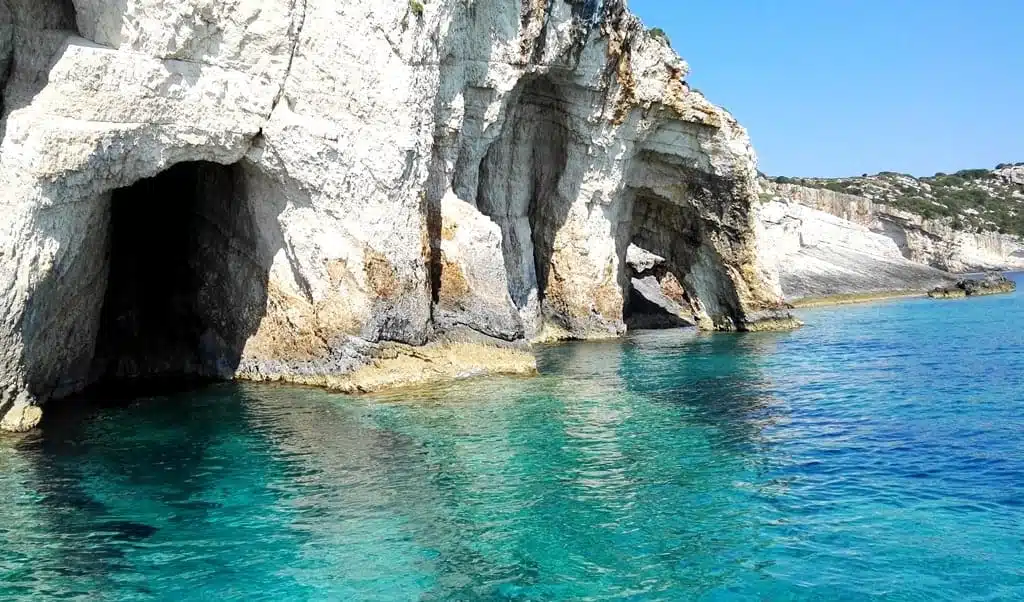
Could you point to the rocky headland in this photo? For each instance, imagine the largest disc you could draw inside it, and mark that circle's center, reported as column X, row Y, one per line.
column 969, row 200
column 352, row 194
column 831, row 245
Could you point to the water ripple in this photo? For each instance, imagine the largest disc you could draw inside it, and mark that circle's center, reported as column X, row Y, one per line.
column 878, row 454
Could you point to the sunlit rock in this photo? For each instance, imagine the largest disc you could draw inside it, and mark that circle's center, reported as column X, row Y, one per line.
column 282, row 190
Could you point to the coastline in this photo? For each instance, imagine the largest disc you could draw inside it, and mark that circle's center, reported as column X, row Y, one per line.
column 336, row 487
column 404, row 366
column 854, row 298
column 867, row 297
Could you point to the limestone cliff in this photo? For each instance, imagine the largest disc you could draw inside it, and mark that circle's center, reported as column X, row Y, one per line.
column 303, row 189
column 969, row 200
column 937, row 242
column 831, row 243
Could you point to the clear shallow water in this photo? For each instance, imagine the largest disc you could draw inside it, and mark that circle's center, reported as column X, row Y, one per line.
column 876, row 454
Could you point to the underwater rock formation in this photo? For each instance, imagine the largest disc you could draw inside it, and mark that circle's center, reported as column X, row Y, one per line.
column 288, row 189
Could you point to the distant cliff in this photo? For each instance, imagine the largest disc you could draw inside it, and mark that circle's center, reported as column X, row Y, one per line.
column 825, row 242
column 971, row 200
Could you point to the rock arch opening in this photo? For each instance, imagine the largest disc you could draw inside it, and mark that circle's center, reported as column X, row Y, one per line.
column 187, row 281
column 668, row 281
column 518, row 187
column 655, row 299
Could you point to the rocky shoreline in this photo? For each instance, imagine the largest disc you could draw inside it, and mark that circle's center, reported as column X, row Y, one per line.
column 367, row 195
column 401, row 366
column 990, row 284
column 855, row 298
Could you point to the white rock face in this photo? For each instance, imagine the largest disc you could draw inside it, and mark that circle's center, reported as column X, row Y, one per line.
column 930, row 242
column 276, row 187
column 820, row 255
column 1011, row 174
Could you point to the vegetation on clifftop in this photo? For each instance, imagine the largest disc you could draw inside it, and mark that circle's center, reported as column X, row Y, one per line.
column 659, row 33
column 976, row 199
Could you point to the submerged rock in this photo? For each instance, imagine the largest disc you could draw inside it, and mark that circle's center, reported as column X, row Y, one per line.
column 990, row 284
column 284, row 188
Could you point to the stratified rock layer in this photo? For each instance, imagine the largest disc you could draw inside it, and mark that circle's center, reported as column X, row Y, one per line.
column 936, row 243
column 282, row 189
column 819, row 255
column 828, row 244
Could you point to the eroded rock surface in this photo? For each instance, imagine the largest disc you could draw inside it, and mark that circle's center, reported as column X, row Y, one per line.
column 656, row 298
column 286, row 189
column 820, row 255
column 933, row 242
column 825, row 244
column 989, row 284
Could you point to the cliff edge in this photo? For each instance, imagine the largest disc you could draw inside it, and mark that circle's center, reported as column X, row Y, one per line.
column 306, row 190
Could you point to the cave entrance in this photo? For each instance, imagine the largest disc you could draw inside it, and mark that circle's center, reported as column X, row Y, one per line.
column 656, row 301
column 518, row 187
column 664, row 243
column 185, row 289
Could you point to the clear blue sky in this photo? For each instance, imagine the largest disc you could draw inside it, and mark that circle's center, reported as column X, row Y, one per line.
column 843, row 87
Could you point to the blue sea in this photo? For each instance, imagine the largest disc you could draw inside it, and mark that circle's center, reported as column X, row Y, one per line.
column 876, row 454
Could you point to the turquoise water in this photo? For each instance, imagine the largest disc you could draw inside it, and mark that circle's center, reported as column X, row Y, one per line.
column 876, row 454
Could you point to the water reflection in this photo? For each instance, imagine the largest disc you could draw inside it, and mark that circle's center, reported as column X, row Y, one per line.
column 624, row 468
column 116, row 487
column 831, row 463
column 721, row 381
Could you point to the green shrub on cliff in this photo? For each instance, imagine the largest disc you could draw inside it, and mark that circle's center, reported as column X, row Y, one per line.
column 659, row 33
column 973, row 174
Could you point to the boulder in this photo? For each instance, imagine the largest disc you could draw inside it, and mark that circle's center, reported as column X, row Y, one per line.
column 656, row 297
column 992, row 283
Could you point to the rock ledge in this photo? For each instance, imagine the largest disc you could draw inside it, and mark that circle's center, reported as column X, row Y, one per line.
column 990, row 284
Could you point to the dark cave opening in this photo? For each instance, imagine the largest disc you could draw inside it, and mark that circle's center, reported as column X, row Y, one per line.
column 518, row 185
column 185, row 287
column 657, row 296
column 647, row 308
column 546, row 211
